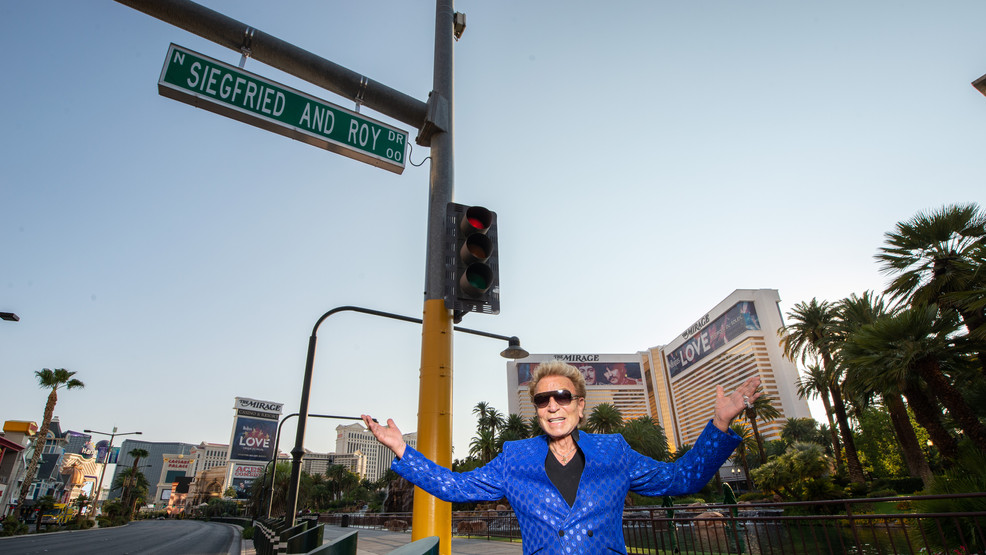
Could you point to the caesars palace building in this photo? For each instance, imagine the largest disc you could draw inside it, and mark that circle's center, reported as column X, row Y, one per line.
column 674, row 384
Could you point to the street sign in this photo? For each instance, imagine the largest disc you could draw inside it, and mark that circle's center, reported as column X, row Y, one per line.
column 218, row 87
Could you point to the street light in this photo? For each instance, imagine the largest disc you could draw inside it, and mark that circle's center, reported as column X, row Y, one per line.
column 277, row 441
column 980, row 84
column 109, row 450
column 10, row 317
column 513, row 350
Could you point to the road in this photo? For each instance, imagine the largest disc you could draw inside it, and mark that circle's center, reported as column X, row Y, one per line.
column 146, row 537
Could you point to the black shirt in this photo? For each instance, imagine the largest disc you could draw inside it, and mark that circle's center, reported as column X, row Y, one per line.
column 566, row 477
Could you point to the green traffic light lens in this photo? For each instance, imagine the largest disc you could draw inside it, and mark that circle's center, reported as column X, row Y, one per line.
column 477, row 281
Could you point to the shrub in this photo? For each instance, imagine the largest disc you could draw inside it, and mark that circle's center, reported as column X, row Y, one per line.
column 248, row 533
column 967, row 476
column 13, row 527
column 882, row 493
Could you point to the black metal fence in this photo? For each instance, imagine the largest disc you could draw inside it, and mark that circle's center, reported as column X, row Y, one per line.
column 850, row 526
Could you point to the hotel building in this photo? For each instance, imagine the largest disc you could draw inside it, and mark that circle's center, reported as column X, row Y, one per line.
column 355, row 438
column 674, row 383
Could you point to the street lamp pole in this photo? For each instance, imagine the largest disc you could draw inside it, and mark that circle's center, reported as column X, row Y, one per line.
column 109, row 451
column 277, row 440
column 513, row 350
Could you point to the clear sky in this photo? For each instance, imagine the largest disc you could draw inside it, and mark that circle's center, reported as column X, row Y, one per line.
column 644, row 158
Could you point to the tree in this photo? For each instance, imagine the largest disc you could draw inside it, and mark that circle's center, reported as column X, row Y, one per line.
column 813, row 333
column 513, row 429
column 43, row 505
column 604, row 419
column 932, row 255
column 804, row 430
column 53, row 380
column 483, row 445
column 130, row 494
column 534, row 428
column 815, row 383
column 764, row 410
column 747, row 442
column 801, row 473
column 912, row 347
column 646, row 437
column 488, row 418
column 854, row 313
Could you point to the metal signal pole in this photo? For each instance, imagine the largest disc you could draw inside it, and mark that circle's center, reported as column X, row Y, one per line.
column 434, row 123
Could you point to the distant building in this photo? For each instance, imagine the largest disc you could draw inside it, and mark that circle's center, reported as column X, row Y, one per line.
column 674, row 383
column 610, row 378
column 319, row 463
column 733, row 341
column 17, row 435
column 151, row 466
column 354, row 438
column 208, row 455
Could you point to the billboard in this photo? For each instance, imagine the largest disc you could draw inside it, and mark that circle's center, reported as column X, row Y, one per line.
column 254, row 430
column 595, row 372
column 253, row 439
column 242, row 476
column 740, row 318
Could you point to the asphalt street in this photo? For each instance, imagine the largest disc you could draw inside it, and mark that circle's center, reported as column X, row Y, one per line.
column 146, row 537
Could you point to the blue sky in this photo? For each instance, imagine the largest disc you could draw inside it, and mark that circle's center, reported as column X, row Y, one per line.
column 645, row 159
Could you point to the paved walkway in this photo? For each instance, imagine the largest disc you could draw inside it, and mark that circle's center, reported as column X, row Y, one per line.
column 381, row 542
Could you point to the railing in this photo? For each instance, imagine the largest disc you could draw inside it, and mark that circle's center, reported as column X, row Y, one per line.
column 820, row 527
column 851, row 526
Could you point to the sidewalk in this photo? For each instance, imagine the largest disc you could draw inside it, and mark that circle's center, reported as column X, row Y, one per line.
column 381, row 542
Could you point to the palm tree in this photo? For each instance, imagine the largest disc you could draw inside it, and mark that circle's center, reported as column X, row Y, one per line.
column 814, row 383
column 854, row 313
column 495, row 420
column 134, row 485
column 747, row 442
column 513, row 429
column 764, row 410
column 534, row 428
column 930, row 255
column 813, row 333
column 130, row 494
column 915, row 343
column 804, row 430
column 646, row 437
column 604, row 419
column 48, row 379
column 483, row 445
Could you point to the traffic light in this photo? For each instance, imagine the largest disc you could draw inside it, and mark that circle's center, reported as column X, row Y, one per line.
column 471, row 261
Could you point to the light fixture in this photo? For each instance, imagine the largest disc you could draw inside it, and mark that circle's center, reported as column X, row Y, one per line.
column 980, row 84
column 514, row 350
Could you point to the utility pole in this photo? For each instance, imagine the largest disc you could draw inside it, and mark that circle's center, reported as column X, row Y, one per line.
column 434, row 123
column 431, row 516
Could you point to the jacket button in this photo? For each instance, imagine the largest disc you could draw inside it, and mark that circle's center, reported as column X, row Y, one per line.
column 590, row 533
column 561, row 532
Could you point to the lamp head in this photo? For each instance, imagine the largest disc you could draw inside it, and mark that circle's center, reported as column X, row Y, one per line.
column 514, row 350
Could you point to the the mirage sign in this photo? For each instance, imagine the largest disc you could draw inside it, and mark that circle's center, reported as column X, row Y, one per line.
column 254, row 430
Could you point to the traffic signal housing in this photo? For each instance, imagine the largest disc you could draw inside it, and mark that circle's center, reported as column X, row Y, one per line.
column 471, row 261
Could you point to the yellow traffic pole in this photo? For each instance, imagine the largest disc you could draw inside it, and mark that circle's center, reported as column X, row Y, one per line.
column 431, row 516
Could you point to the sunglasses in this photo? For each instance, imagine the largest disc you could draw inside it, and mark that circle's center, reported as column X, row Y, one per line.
column 561, row 396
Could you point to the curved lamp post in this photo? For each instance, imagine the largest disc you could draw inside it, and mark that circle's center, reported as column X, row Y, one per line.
column 277, row 439
column 513, row 350
column 109, row 451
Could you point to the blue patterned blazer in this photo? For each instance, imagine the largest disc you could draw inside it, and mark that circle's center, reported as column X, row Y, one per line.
column 594, row 524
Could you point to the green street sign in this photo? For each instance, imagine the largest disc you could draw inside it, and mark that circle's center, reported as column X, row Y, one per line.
column 217, row 87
